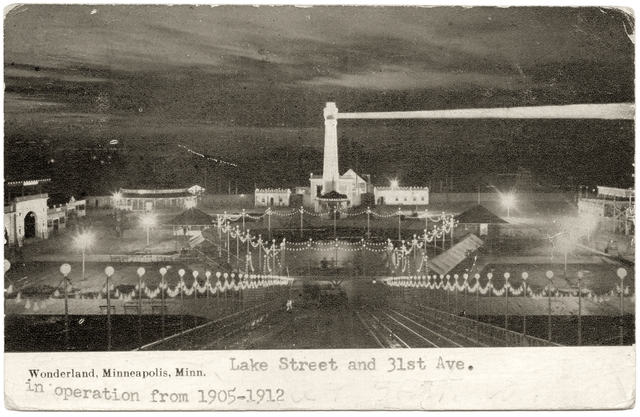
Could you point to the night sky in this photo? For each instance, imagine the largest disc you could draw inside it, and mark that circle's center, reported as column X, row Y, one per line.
column 247, row 85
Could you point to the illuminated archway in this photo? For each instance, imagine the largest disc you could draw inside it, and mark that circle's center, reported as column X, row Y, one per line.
column 30, row 225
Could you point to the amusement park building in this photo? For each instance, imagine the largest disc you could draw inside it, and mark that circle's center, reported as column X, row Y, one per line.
column 272, row 197
column 613, row 209
column 152, row 200
column 30, row 217
column 401, row 196
column 350, row 184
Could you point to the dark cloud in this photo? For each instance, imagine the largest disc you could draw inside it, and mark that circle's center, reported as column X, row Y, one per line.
column 262, row 74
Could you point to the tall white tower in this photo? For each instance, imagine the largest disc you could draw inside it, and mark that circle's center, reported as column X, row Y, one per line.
column 330, row 173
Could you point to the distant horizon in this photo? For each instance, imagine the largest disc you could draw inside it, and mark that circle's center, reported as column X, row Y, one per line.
column 247, row 85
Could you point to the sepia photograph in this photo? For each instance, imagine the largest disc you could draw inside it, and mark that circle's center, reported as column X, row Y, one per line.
column 352, row 179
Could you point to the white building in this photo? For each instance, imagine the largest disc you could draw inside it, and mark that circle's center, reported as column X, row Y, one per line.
column 401, row 196
column 272, row 197
column 59, row 215
column 196, row 190
column 28, row 217
column 350, row 184
column 153, row 200
column 25, row 218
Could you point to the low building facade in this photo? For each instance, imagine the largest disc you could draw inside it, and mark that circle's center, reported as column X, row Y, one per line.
column 58, row 216
column 29, row 217
column 350, row 184
column 26, row 218
column 153, row 200
column 401, row 196
column 272, row 197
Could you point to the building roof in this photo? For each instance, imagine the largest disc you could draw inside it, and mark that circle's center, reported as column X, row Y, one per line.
column 478, row 214
column 448, row 260
column 195, row 188
column 389, row 188
column 273, row 190
column 191, row 217
column 181, row 194
column 616, row 192
column 350, row 174
column 333, row 195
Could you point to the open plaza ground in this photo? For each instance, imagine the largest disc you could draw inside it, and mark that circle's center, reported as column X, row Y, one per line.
column 521, row 246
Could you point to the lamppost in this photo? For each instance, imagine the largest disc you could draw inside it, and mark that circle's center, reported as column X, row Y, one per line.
column 83, row 241
column 260, row 260
column 564, row 243
column 368, row 223
column 208, row 285
column 508, row 200
column 273, row 251
column 163, row 271
column 335, row 214
column 228, row 241
column 549, row 276
column 399, row 225
column 506, row 294
column 148, row 220
column 248, row 261
column 621, row 274
column 219, row 289
column 195, row 282
column 455, row 288
column 301, row 220
column 466, row 286
column 141, row 272
column 426, row 220
column 524, row 305
column 447, row 289
column 220, row 224
column 181, row 273
column 444, row 226
column 362, row 249
column 64, row 269
column 490, row 290
column 243, row 214
column 108, row 272
column 580, row 308
column 452, row 226
column 238, row 248
column 116, row 198
column 477, row 276
column 336, row 257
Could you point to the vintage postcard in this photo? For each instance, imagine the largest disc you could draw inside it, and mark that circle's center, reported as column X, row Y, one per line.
column 239, row 207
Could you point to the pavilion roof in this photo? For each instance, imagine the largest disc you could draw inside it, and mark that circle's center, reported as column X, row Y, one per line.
column 333, row 195
column 448, row 260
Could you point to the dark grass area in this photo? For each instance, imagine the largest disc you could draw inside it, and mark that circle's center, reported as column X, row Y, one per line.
column 35, row 333
column 89, row 333
column 596, row 330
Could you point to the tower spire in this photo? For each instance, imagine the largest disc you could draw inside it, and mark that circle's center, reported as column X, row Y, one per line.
column 330, row 173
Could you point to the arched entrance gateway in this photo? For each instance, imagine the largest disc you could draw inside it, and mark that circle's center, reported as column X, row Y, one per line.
column 30, row 225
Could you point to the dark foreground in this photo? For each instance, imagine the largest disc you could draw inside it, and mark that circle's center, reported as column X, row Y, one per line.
column 324, row 322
